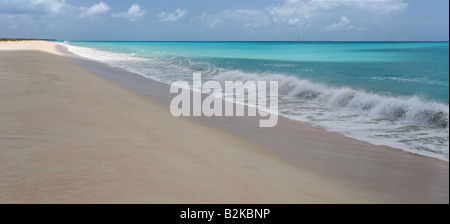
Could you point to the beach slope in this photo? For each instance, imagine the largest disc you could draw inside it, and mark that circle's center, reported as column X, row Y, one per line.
column 68, row 135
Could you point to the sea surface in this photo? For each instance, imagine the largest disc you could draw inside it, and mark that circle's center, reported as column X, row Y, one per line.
column 385, row 93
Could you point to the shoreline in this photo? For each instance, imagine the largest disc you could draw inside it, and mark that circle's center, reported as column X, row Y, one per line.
column 411, row 128
column 378, row 160
column 355, row 171
column 246, row 128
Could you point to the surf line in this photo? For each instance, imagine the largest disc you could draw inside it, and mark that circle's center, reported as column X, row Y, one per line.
column 258, row 102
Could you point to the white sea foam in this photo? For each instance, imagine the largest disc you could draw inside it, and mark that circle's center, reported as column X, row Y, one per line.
column 407, row 123
column 423, row 80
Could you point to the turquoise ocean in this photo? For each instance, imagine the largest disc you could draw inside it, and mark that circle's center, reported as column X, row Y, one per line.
column 385, row 93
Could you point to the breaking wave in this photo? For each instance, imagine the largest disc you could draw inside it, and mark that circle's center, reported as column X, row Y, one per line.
column 407, row 109
column 410, row 123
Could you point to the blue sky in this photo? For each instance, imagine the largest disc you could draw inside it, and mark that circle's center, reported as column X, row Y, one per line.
column 198, row 20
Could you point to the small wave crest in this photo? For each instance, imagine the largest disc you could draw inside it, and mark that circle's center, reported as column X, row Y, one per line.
column 147, row 67
column 423, row 80
column 203, row 67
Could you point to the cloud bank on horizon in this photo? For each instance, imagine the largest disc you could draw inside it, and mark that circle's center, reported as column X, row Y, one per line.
column 225, row 20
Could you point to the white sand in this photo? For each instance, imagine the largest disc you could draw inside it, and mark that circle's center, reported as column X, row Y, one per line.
column 43, row 46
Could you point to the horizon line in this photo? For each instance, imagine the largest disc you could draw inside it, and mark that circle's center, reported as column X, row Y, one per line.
column 260, row 40
column 299, row 41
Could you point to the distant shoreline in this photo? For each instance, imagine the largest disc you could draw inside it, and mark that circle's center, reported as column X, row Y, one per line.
column 24, row 39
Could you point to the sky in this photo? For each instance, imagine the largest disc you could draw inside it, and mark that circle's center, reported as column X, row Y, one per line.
column 226, row 20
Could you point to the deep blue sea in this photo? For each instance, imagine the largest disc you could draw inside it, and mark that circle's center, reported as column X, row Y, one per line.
column 385, row 93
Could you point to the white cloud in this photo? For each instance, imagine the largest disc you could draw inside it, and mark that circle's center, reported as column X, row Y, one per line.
column 32, row 6
column 381, row 6
column 50, row 7
column 45, row 10
column 95, row 10
column 305, row 12
column 247, row 17
column 172, row 17
column 133, row 14
column 343, row 24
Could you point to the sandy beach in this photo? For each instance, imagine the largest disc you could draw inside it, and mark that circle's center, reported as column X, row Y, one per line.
column 70, row 134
